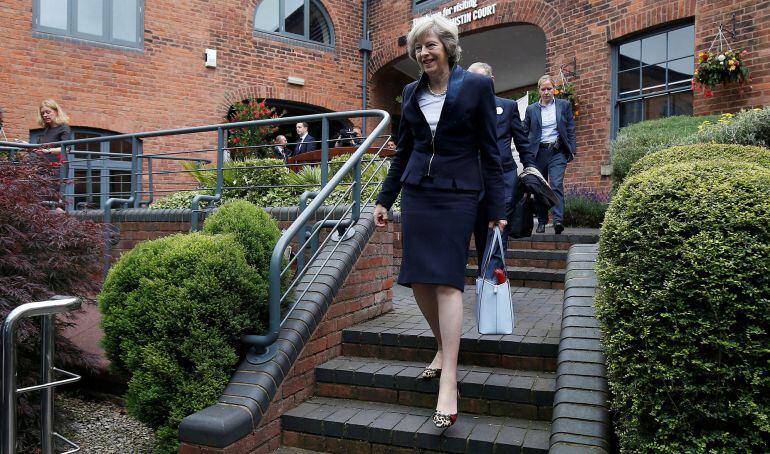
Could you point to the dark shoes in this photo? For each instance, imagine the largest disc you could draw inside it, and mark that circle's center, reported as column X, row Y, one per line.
column 540, row 227
column 558, row 227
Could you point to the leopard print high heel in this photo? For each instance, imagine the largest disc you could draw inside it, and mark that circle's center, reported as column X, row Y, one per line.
column 429, row 374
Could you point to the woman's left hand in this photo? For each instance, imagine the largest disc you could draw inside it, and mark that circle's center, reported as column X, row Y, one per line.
column 499, row 223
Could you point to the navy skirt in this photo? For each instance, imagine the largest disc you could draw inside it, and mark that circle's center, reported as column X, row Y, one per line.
column 436, row 228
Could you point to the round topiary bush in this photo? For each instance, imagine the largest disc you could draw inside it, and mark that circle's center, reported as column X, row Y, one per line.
column 684, row 303
column 703, row 153
column 173, row 311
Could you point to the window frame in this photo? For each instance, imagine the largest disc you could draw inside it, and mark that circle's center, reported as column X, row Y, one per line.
column 305, row 37
column 105, row 165
column 105, row 38
column 667, row 92
column 427, row 4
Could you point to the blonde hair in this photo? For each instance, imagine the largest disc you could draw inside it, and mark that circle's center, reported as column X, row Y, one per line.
column 446, row 31
column 544, row 79
column 61, row 116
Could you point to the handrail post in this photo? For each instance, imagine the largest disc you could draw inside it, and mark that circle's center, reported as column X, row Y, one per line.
column 150, row 187
column 357, row 189
column 46, row 375
column 324, row 151
column 136, row 168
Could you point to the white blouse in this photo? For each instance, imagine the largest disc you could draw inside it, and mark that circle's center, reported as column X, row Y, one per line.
column 431, row 106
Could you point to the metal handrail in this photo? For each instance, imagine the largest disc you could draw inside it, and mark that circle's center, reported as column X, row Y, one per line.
column 46, row 310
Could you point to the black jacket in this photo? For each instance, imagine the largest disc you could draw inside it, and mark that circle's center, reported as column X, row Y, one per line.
column 509, row 127
column 449, row 161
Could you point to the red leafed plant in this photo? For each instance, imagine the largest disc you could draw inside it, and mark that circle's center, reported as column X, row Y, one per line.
column 245, row 143
column 42, row 253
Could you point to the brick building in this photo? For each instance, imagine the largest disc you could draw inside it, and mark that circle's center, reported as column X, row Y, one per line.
column 132, row 65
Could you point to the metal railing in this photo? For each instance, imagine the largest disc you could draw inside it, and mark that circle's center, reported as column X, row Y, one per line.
column 338, row 218
column 46, row 310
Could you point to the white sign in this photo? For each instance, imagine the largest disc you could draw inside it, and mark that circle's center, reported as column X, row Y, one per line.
column 465, row 16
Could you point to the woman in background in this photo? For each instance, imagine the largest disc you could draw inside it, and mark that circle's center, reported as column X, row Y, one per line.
column 56, row 129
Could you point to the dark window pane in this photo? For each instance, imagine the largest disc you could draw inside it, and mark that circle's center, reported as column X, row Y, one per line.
column 656, row 107
column 680, row 72
column 125, row 16
column 267, row 18
column 81, row 187
column 628, row 83
column 91, row 17
column 653, row 78
column 120, row 183
column 92, row 147
column 681, row 42
column 122, row 147
column 654, row 49
column 681, row 103
column 630, row 112
column 295, row 16
column 629, row 55
column 319, row 27
column 53, row 13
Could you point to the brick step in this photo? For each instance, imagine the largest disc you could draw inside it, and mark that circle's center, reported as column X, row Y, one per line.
column 525, row 276
column 484, row 390
column 540, row 258
column 351, row 426
column 290, row 450
column 537, row 351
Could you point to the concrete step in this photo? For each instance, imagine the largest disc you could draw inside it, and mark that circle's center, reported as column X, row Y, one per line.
column 290, row 450
column 525, row 276
column 352, row 426
column 404, row 335
column 540, row 258
column 484, row 390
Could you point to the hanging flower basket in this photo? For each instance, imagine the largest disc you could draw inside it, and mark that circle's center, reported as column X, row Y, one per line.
column 724, row 68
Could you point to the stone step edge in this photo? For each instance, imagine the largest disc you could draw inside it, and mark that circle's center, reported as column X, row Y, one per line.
column 411, row 427
column 528, row 388
column 525, row 273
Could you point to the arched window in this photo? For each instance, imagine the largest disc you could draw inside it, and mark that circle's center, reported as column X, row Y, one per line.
column 301, row 19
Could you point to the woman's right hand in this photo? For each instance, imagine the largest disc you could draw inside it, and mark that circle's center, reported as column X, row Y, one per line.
column 380, row 216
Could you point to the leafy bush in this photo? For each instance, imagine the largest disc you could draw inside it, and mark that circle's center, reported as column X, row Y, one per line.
column 640, row 139
column 251, row 142
column 702, row 153
column 585, row 208
column 252, row 227
column 684, row 303
column 173, row 313
column 179, row 200
column 748, row 127
column 42, row 253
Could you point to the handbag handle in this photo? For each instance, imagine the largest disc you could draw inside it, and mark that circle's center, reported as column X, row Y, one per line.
column 497, row 240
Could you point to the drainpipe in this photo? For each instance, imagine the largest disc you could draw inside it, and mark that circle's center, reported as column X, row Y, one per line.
column 365, row 46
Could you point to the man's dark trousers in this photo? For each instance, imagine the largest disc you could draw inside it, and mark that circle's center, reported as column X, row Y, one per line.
column 552, row 162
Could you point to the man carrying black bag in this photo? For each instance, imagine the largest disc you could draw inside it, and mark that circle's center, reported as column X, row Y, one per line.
column 508, row 128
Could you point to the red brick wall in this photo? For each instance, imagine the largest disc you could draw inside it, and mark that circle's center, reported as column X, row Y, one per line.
column 366, row 293
column 584, row 30
column 132, row 233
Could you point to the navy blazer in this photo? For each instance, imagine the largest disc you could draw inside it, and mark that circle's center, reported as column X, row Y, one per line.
column 306, row 145
column 450, row 160
column 565, row 126
column 509, row 127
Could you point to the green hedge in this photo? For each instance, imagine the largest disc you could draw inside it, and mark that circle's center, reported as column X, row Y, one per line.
column 173, row 313
column 748, row 127
column 702, row 153
column 684, row 304
column 639, row 139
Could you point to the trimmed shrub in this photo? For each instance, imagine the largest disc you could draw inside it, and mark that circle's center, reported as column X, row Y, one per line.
column 748, row 127
column 263, row 182
column 639, row 139
column 252, row 227
column 702, row 153
column 584, row 208
column 684, row 304
column 173, row 313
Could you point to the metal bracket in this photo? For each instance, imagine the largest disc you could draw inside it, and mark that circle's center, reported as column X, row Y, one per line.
column 731, row 33
column 563, row 68
column 343, row 234
column 260, row 355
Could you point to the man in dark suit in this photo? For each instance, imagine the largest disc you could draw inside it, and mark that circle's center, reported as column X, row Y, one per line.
column 280, row 151
column 508, row 127
column 550, row 128
column 305, row 142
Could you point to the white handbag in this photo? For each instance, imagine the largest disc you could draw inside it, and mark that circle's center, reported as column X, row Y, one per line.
column 494, row 308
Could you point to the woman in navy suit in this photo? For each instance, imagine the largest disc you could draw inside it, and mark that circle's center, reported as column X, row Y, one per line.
column 446, row 153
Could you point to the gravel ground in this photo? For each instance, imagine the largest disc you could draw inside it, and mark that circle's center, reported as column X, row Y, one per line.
column 100, row 426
